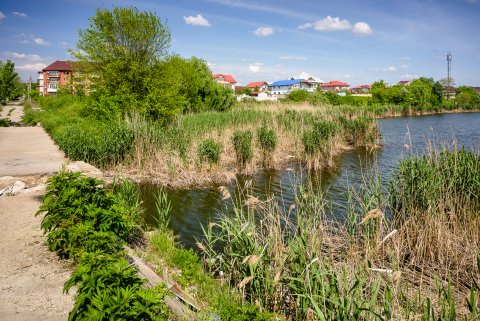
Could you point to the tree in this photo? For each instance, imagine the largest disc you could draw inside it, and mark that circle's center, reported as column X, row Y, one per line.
column 10, row 84
column 466, row 95
column 380, row 92
column 420, row 92
column 117, row 53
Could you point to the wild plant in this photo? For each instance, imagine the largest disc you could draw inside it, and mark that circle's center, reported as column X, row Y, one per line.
column 242, row 144
column 268, row 142
column 164, row 207
column 209, row 151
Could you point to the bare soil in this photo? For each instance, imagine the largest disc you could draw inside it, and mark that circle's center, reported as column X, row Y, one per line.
column 31, row 277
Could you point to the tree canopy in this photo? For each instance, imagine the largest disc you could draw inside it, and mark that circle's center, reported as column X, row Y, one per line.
column 10, row 84
column 124, row 56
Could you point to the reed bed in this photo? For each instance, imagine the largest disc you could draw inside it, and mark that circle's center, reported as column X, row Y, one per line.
column 175, row 155
column 395, row 256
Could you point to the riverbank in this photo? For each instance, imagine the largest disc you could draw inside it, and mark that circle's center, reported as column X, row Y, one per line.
column 198, row 149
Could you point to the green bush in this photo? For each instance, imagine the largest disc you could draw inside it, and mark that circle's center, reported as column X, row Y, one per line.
column 311, row 142
column 317, row 99
column 242, row 143
column 298, row 95
column 268, row 139
column 209, row 151
column 3, row 122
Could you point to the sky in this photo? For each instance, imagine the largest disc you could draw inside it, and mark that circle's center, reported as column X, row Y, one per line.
column 357, row 42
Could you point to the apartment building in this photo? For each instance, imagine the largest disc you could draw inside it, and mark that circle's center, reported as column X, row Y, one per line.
column 53, row 76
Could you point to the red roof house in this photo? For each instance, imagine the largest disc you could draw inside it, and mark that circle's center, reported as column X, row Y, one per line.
column 57, row 74
column 335, row 85
column 226, row 80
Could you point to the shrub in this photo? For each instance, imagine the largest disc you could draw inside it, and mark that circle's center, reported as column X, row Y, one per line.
column 209, row 150
column 242, row 143
column 298, row 95
column 317, row 99
column 311, row 142
column 325, row 129
column 268, row 142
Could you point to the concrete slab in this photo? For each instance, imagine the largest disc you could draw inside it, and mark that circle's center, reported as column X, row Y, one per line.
column 28, row 151
column 15, row 110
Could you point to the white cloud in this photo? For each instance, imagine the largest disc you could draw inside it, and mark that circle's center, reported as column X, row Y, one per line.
column 390, row 69
column 255, row 68
column 17, row 55
column 30, row 67
column 408, row 77
column 1, row 15
column 20, row 14
column 362, row 28
column 297, row 58
column 332, row 24
column 41, row 41
column 264, row 31
column 24, row 41
column 197, row 20
column 307, row 25
column 404, row 66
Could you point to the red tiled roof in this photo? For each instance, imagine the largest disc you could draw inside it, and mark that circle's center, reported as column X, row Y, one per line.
column 363, row 87
column 228, row 78
column 60, row 65
column 335, row 83
column 257, row 84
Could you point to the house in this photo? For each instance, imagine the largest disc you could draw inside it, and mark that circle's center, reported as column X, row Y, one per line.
column 284, row 87
column 334, row 85
column 258, row 86
column 226, row 80
column 362, row 89
column 53, row 76
column 404, row 82
column 315, row 82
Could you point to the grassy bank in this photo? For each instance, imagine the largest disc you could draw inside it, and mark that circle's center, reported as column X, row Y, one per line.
column 201, row 148
column 421, row 262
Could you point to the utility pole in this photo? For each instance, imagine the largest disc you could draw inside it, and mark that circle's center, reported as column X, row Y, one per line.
column 449, row 78
column 29, row 90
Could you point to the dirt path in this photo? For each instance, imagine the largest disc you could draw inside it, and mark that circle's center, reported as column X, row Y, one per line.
column 31, row 277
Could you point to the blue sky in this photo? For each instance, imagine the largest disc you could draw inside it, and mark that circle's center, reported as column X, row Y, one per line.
column 353, row 41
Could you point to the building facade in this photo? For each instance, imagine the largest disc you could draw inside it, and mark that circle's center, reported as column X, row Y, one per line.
column 55, row 75
column 284, row 87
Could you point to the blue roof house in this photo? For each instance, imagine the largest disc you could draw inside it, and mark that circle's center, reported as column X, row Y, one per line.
column 284, row 87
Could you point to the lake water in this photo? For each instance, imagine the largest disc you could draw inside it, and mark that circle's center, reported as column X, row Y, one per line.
column 400, row 137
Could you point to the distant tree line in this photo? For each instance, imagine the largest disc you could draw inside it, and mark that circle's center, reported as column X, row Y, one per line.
column 125, row 67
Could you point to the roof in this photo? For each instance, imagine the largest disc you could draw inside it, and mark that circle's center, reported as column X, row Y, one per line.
column 257, row 84
column 404, row 82
column 60, row 65
column 227, row 78
column 286, row 82
column 335, row 83
column 362, row 87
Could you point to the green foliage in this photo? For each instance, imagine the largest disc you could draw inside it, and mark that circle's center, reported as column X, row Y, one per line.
column 3, row 122
column 466, row 97
column 86, row 222
column 242, row 144
column 268, row 139
column 164, row 208
column 117, row 53
column 10, row 85
column 209, row 150
column 318, row 99
column 298, row 95
column 424, row 182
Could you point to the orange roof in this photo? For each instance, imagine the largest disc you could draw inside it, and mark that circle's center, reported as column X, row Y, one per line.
column 257, row 84
column 227, row 78
column 335, row 83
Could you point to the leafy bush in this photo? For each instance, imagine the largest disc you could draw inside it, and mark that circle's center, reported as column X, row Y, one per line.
column 242, row 143
column 317, row 99
column 209, row 150
column 3, row 122
column 86, row 222
column 268, row 139
column 311, row 142
column 298, row 95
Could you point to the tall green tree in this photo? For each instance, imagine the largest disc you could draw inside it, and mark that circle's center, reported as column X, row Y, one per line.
column 420, row 92
column 117, row 54
column 10, row 84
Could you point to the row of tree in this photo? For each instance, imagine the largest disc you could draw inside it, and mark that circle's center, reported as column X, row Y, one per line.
column 126, row 66
column 10, row 85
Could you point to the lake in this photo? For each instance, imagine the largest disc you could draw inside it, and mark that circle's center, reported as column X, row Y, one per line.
column 400, row 137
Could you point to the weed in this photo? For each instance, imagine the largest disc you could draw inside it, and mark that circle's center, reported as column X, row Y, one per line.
column 242, row 143
column 209, row 150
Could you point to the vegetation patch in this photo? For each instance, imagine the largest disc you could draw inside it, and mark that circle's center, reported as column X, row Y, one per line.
column 85, row 222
